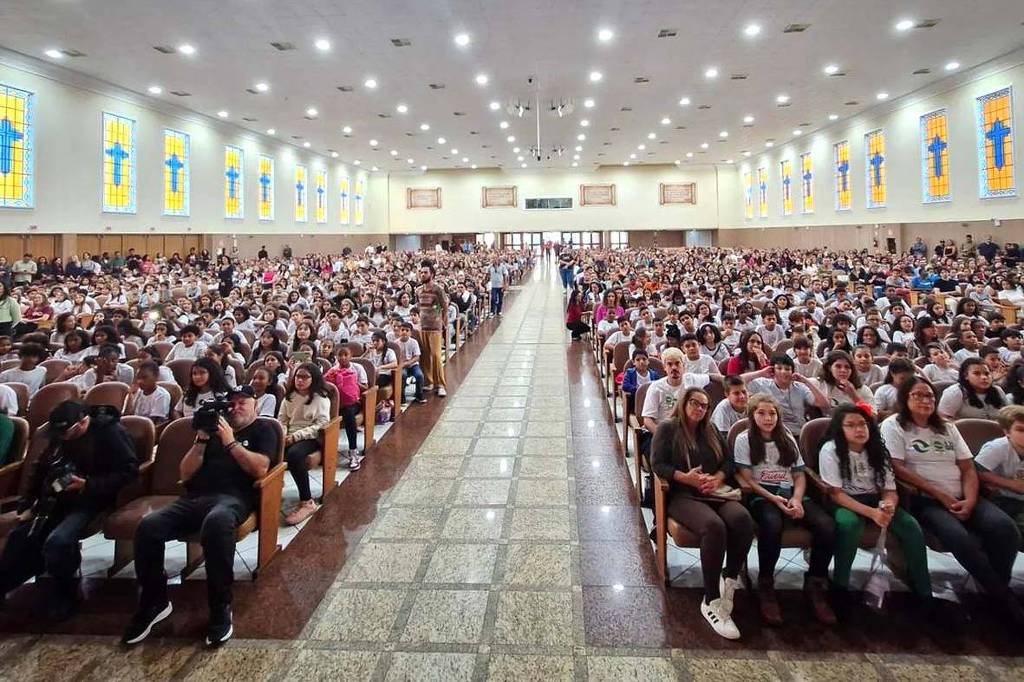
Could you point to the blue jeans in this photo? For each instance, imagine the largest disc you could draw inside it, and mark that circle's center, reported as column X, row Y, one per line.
column 497, row 299
column 53, row 550
column 566, row 274
column 416, row 373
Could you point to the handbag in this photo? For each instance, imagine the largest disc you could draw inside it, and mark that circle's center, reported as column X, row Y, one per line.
column 879, row 575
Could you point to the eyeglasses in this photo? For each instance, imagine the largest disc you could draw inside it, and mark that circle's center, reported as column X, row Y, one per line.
column 855, row 425
column 303, row 376
column 697, row 403
column 923, row 397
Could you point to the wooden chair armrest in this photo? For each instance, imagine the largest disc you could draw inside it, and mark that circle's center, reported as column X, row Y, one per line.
column 10, row 476
column 661, row 525
column 275, row 473
column 369, row 416
column 634, row 422
column 268, row 514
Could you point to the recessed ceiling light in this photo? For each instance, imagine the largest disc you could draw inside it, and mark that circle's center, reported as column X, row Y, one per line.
column 641, row 147
column 262, row 87
column 748, row 119
column 605, row 34
column 334, row 155
column 455, row 152
column 711, row 73
column 322, row 44
column 574, row 164
column 651, row 136
column 882, row 96
column 746, row 153
column 769, row 144
column 465, row 159
column 625, row 163
column 155, row 89
column 666, row 121
column 271, row 131
column 632, row 156
column 704, row 145
column 186, row 49
column 481, row 79
column 588, row 103
column 724, row 134
column 782, row 99
column 306, row 144
column 393, row 152
column 347, row 130
column 595, row 76
column 54, row 53
column 423, row 168
column 510, row 138
column 503, row 125
column 581, row 137
column 473, row 166
column 373, row 143
column 831, row 70
column 495, row 106
column 401, row 108
column 515, row 150
column 370, row 83
column 222, row 113
column 689, row 155
column 441, row 140
column 522, row 165
column 411, row 160
column 677, row 162
column 904, row 25
column 519, row 158
column 952, row 66
column 374, row 169
column 751, row 30
column 729, row 161
column 311, row 111
column 797, row 132
column 833, row 117
column 424, row 127
column 576, row 157
column 684, row 102
column 462, row 39
column 584, row 122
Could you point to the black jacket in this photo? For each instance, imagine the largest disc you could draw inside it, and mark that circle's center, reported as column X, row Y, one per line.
column 104, row 456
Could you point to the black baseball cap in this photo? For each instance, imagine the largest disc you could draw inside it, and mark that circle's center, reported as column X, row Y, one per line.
column 237, row 391
column 66, row 415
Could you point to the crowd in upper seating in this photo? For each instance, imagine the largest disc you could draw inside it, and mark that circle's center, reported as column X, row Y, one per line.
column 822, row 392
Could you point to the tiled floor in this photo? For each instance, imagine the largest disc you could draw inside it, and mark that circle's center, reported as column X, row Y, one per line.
column 510, row 549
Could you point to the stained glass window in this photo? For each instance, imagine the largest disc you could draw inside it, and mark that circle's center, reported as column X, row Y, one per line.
column 786, row 180
column 806, row 183
column 177, row 173
column 266, row 188
column 17, row 150
column 935, row 157
column 345, row 194
column 748, row 195
column 762, row 192
column 874, row 168
column 234, row 183
column 359, row 200
column 301, row 194
column 994, row 114
column 321, row 196
column 841, row 169
column 119, row 171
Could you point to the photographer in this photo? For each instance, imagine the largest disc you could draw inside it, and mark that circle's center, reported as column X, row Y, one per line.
column 231, row 451
column 88, row 460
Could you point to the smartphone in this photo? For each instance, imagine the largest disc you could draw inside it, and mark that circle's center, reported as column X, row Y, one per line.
column 301, row 356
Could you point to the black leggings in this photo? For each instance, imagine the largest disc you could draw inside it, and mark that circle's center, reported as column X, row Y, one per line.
column 296, row 454
column 348, row 418
column 578, row 329
column 770, row 524
column 726, row 532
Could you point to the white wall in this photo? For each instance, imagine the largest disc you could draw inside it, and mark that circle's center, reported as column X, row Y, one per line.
column 636, row 196
column 900, row 119
column 68, row 141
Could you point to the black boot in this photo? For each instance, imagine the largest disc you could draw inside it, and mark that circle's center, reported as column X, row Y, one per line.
column 64, row 600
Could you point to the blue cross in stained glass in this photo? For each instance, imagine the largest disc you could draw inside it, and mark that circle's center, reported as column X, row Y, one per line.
column 937, row 146
column 807, row 176
column 344, row 196
column 8, row 136
column 175, row 164
column 264, row 187
column 786, row 181
column 764, row 191
column 997, row 135
column 298, row 192
column 844, row 169
column 320, row 196
column 118, row 154
column 876, row 168
column 232, row 175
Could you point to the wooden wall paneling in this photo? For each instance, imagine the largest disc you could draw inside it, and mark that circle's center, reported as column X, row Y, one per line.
column 88, row 243
column 43, row 245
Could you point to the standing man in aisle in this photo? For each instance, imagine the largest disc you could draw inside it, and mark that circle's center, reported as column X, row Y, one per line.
column 498, row 274
column 566, row 267
column 433, row 306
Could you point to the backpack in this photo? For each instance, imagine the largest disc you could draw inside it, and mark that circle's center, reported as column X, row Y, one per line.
column 347, row 382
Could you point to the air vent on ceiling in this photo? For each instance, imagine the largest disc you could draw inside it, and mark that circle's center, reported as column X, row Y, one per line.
column 606, row 144
column 668, row 33
column 614, row 130
column 251, row 91
column 444, row 158
column 663, row 142
column 626, row 108
column 401, row 42
column 249, row 119
column 283, row 45
column 437, row 86
column 72, row 53
column 704, row 106
column 474, row 132
column 641, row 79
column 738, row 77
column 837, row 74
column 485, row 146
column 796, row 28
column 164, row 49
column 680, row 127
column 383, row 115
column 782, row 105
column 748, row 125
column 346, row 88
column 296, row 137
column 851, row 103
column 926, row 23
column 181, row 93
column 458, row 113
column 430, row 148
column 922, row 72
column 309, row 118
column 410, row 135
column 804, row 125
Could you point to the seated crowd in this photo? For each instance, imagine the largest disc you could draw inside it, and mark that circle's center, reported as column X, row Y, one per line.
column 257, row 364
column 817, row 397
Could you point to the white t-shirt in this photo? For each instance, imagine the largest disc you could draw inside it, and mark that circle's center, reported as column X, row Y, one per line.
column 953, row 406
column 266, row 405
column 34, row 379
column 410, row 349
column 124, row 373
column 872, row 376
column 862, row 476
column 837, row 397
column 182, row 352
column 769, row 473
column 704, row 364
column 186, row 410
column 661, row 397
column 885, row 398
column 928, row 454
column 935, row 374
column 724, row 416
column 963, row 354
column 999, row 457
column 156, row 404
column 1009, row 356
column 8, row 400
column 810, row 370
column 794, row 400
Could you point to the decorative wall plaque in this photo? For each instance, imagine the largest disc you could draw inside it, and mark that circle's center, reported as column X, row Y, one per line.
column 597, row 195
column 677, row 193
column 499, row 197
column 423, row 197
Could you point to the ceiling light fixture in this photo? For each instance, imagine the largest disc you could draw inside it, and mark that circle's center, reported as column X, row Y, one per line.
column 222, row 113
column 605, row 34
column 515, row 150
column 462, row 39
column 581, row 137
column 370, row 83
column 271, row 131
column 952, row 66
column 797, row 132
column 393, row 152
column 584, row 123
column 155, row 89
column 373, row 143
column 54, row 53
column 704, row 145
column 312, row 112
column 724, row 134
column 710, row 73
column 510, row 139
column 782, row 99
column 596, row 76
column 374, row 169
column 473, row 166
column 625, row 163
column 684, row 102
column 588, row 103
column 411, row 160
column 579, row 148
column 831, row 70
column 752, row 30
column 424, row 127
column 522, row 165
column 651, row 136
column 882, row 96
column 520, row 158
column 666, row 121
column 575, row 165
column 904, row 24
column 833, row 117
column 262, row 87
column 465, row 159
column 503, row 125
column 641, row 147
column 495, row 106
column 632, row 156
column 334, row 155
column 769, row 144
column 401, row 108
column 423, row 168
column 689, row 155
column 322, row 44
column 575, row 157
column 347, row 130
column 748, row 119
column 481, row 79
column 677, row 162
column 306, row 144
column 746, row 153
column 186, row 49
column 455, row 152
column 441, row 140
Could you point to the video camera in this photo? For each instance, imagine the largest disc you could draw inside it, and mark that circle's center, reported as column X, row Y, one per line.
column 207, row 415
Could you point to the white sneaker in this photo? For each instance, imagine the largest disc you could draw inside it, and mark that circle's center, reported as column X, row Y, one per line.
column 727, row 589
column 357, row 460
column 441, row 392
column 344, row 459
column 719, row 621
column 428, row 387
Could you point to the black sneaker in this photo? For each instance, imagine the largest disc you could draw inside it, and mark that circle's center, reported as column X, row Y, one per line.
column 220, row 628
column 421, row 401
column 143, row 621
column 64, row 600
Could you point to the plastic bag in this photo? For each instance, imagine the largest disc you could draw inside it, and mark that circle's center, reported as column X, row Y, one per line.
column 879, row 576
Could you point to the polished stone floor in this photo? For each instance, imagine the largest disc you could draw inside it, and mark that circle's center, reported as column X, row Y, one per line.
column 510, row 548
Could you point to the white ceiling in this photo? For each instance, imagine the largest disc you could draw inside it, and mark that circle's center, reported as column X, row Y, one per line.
column 553, row 41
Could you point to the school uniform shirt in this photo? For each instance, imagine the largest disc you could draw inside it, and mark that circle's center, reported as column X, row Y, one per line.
column 266, row 405
column 771, row 337
column 1000, row 457
column 963, row 354
column 34, row 378
column 365, row 339
column 862, row 476
column 156, row 404
column 836, row 396
column 931, row 455
column 617, row 338
column 935, row 374
column 662, row 397
column 410, row 349
column 385, row 358
column 73, row 358
column 794, row 400
column 338, row 336
column 182, row 352
column 165, row 374
column 810, row 370
column 187, row 410
column 772, row 476
column 885, row 398
column 906, row 338
column 874, row 375
column 724, row 416
column 702, row 365
column 123, row 373
column 718, row 353
column 953, row 406
column 8, row 400
column 1009, row 356
column 731, row 341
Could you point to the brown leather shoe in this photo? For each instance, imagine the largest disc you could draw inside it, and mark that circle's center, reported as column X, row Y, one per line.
column 771, row 614
column 817, row 593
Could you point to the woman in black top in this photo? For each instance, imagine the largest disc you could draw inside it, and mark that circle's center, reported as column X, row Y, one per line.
column 226, row 274
column 688, row 452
